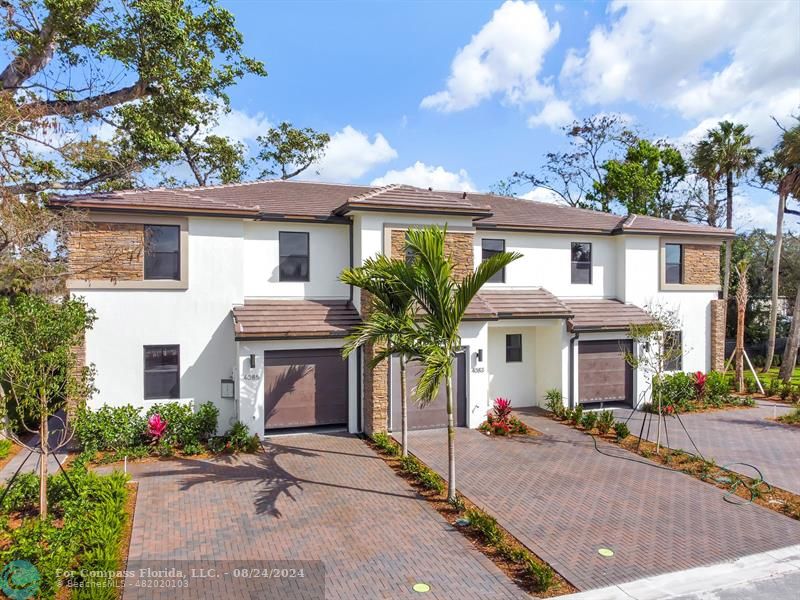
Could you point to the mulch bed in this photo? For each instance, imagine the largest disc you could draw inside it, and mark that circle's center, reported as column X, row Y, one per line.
column 127, row 532
column 768, row 496
column 450, row 513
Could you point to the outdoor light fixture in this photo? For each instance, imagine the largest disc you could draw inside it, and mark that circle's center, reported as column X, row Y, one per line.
column 226, row 388
column 479, row 355
column 252, row 361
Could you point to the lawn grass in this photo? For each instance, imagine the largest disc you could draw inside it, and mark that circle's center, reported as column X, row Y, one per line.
column 773, row 373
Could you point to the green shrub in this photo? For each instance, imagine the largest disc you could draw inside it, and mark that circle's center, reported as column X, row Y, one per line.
column 23, row 494
column 410, row 464
column 485, row 525
column 110, row 428
column 555, row 402
column 192, row 449
column 182, row 426
column 239, row 439
column 605, row 421
column 677, row 390
column 5, row 447
column 792, row 418
column 621, row 429
column 717, row 388
column 385, row 443
column 588, row 420
column 206, row 418
column 430, row 480
column 773, row 387
column 576, row 415
column 542, row 575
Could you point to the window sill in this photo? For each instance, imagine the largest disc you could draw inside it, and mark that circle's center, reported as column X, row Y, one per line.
column 688, row 287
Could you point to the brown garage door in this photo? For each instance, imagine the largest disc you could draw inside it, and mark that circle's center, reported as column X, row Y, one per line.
column 434, row 414
column 603, row 374
column 304, row 388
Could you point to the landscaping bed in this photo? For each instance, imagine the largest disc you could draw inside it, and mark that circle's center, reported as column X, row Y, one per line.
column 501, row 423
column 739, row 488
column 526, row 569
column 84, row 537
column 792, row 418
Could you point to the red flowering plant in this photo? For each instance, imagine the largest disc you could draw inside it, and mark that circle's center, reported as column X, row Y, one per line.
column 500, row 421
column 699, row 384
column 156, row 426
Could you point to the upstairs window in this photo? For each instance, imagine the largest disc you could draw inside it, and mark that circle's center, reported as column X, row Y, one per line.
column 673, row 350
column 162, row 252
column 162, row 372
column 488, row 249
column 514, row 347
column 409, row 252
column 581, row 262
column 293, row 256
column 673, row 263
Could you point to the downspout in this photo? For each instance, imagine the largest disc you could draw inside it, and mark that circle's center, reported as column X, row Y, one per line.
column 572, row 370
column 350, row 233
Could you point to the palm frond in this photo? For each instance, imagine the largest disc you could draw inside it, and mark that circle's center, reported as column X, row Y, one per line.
column 472, row 283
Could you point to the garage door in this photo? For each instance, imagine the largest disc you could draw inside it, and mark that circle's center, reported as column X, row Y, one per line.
column 303, row 388
column 434, row 414
column 603, row 374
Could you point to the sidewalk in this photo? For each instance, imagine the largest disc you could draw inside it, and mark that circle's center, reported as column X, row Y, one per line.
column 31, row 464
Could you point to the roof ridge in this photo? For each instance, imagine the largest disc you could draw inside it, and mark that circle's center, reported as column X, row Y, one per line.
column 375, row 191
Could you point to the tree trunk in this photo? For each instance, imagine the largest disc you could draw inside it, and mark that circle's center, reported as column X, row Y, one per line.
column 790, row 353
column 43, row 446
column 728, row 244
column 451, row 443
column 776, row 266
column 741, row 307
column 712, row 215
column 403, row 406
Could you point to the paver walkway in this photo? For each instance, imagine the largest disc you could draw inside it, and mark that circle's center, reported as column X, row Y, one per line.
column 314, row 497
column 735, row 436
column 564, row 500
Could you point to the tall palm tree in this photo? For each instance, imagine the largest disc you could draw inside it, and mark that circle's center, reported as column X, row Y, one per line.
column 389, row 324
column 444, row 301
column 706, row 168
column 733, row 155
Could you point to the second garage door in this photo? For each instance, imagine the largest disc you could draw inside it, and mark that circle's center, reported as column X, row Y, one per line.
column 603, row 374
column 303, row 388
column 434, row 414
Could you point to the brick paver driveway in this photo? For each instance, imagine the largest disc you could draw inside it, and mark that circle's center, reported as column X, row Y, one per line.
column 736, row 436
column 564, row 500
column 309, row 497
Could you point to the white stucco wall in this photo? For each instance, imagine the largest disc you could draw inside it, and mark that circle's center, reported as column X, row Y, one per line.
column 546, row 261
column 329, row 253
column 515, row 381
column 474, row 335
column 198, row 319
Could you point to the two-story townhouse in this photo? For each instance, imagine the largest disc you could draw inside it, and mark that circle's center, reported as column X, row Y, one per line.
column 231, row 294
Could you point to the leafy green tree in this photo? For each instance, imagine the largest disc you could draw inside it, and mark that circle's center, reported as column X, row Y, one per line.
column 91, row 96
column 389, row 325
column 644, row 182
column 444, row 301
column 732, row 155
column 39, row 375
column 572, row 175
column 288, row 151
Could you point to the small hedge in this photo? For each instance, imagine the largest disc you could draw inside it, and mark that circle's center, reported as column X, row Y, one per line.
column 81, row 534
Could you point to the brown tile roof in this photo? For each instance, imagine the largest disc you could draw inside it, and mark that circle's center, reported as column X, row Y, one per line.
column 603, row 314
column 479, row 310
column 534, row 303
column 326, row 201
column 412, row 199
column 269, row 319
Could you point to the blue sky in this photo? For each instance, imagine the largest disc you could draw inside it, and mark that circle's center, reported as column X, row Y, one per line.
column 461, row 94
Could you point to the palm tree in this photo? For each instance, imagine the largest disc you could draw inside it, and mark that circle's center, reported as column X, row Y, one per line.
column 444, row 301
column 705, row 167
column 729, row 148
column 389, row 325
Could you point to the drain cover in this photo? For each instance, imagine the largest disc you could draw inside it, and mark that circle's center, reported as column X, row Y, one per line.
column 421, row 588
column 606, row 552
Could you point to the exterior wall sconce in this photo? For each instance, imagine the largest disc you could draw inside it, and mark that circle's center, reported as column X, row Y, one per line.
column 252, row 361
column 479, row 355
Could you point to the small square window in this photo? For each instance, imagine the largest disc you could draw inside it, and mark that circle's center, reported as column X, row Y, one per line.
column 293, row 249
column 162, row 252
column 514, row 347
column 673, row 261
column 581, row 262
column 162, row 372
column 673, row 350
column 488, row 249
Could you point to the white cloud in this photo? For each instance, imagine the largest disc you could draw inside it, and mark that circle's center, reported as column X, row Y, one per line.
column 350, row 155
column 751, row 213
column 504, row 57
column 559, row 7
column 702, row 59
column 241, row 126
column 554, row 114
column 540, row 194
column 424, row 176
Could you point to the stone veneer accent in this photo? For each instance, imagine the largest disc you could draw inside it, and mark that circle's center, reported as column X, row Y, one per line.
column 701, row 264
column 717, row 342
column 107, row 251
column 457, row 244
column 459, row 247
